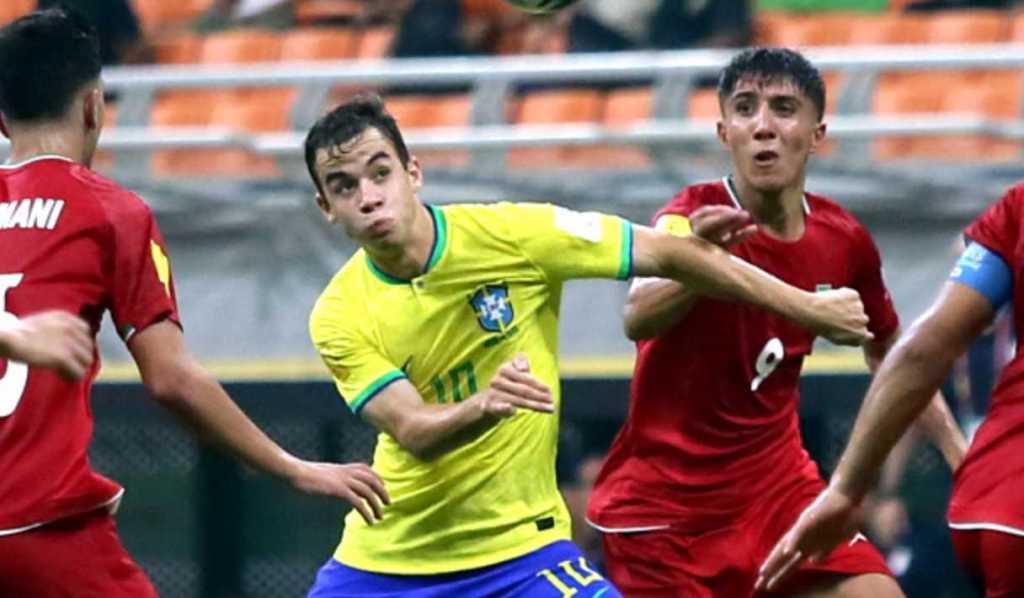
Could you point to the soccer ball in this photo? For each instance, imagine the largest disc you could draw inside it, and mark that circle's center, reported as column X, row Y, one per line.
column 541, row 6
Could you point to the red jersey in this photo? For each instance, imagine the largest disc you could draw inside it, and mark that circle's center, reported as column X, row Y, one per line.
column 713, row 421
column 75, row 241
column 988, row 487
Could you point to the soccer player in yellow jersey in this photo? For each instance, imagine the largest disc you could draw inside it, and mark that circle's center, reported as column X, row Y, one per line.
column 441, row 331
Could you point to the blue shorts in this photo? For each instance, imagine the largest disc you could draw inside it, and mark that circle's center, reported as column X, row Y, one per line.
column 558, row 570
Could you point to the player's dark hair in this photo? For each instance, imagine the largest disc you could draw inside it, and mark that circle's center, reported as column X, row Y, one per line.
column 348, row 121
column 771, row 65
column 46, row 57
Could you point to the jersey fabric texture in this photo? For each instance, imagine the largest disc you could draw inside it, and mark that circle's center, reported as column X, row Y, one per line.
column 74, row 241
column 988, row 486
column 713, row 423
column 554, row 571
column 491, row 289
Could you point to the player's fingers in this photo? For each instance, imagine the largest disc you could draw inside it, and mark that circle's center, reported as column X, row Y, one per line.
column 375, row 483
column 515, row 401
column 369, row 497
column 741, row 235
column 521, row 363
column 361, row 506
column 512, row 377
column 790, row 565
column 522, row 391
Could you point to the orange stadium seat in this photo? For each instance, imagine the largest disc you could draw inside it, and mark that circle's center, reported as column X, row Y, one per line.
column 903, row 95
column 556, row 106
column 376, row 42
column 12, row 9
column 180, row 109
column 888, row 28
column 820, row 29
column 313, row 11
column 703, row 105
column 241, row 46
column 968, row 27
column 320, row 44
column 181, row 48
column 269, row 113
column 999, row 97
column 427, row 111
column 1017, row 27
column 628, row 105
column 159, row 14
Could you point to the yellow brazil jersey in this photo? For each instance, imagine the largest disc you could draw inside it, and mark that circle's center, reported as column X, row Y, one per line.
column 491, row 289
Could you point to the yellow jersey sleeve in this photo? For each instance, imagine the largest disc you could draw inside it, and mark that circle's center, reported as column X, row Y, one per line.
column 359, row 367
column 568, row 244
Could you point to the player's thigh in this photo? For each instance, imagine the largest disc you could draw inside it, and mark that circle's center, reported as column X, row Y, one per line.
column 557, row 571
column 78, row 557
column 669, row 563
column 870, row 585
column 993, row 559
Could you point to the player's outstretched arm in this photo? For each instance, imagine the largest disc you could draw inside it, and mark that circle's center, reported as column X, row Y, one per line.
column 906, row 381
column 654, row 304
column 181, row 384
column 937, row 420
column 428, row 431
column 51, row 339
column 704, row 268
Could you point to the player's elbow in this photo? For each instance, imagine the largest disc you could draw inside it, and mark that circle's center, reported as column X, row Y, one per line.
column 173, row 383
column 633, row 325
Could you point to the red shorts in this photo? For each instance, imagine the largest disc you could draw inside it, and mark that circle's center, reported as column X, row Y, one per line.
column 725, row 562
column 80, row 556
column 993, row 558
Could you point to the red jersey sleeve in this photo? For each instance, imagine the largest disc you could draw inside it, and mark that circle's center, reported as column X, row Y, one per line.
column 141, row 286
column 870, row 283
column 998, row 226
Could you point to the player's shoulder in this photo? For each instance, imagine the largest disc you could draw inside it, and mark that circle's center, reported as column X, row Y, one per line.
column 116, row 201
column 692, row 197
column 822, row 208
column 335, row 304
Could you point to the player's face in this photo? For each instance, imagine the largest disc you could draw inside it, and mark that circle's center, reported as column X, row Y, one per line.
column 93, row 108
column 770, row 129
column 367, row 191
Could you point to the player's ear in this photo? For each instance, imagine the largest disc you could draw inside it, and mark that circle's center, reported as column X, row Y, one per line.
column 722, row 133
column 324, row 207
column 92, row 108
column 415, row 173
column 818, row 136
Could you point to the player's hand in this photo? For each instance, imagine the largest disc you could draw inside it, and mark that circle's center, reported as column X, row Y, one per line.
column 840, row 317
column 722, row 225
column 354, row 482
column 514, row 388
column 52, row 339
column 831, row 519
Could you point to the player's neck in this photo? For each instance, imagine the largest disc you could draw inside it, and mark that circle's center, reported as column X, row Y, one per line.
column 44, row 140
column 408, row 260
column 778, row 214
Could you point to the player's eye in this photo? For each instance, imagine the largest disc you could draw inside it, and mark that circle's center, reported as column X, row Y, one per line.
column 744, row 108
column 381, row 173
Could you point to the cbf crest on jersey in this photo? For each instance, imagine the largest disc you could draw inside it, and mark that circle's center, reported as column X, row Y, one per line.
column 493, row 307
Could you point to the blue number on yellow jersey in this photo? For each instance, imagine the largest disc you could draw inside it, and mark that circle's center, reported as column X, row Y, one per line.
column 491, row 289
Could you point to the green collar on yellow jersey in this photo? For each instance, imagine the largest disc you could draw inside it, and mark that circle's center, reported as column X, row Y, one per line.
column 436, row 250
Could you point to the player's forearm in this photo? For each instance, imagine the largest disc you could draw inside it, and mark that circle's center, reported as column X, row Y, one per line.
column 940, row 425
column 202, row 404
column 433, row 430
column 654, row 306
column 900, row 391
column 708, row 270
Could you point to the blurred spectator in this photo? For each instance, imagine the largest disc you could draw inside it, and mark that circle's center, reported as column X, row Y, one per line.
column 932, row 5
column 434, row 28
column 820, row 5
column 265, row 14
column 117, row 27
column 612, row 25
